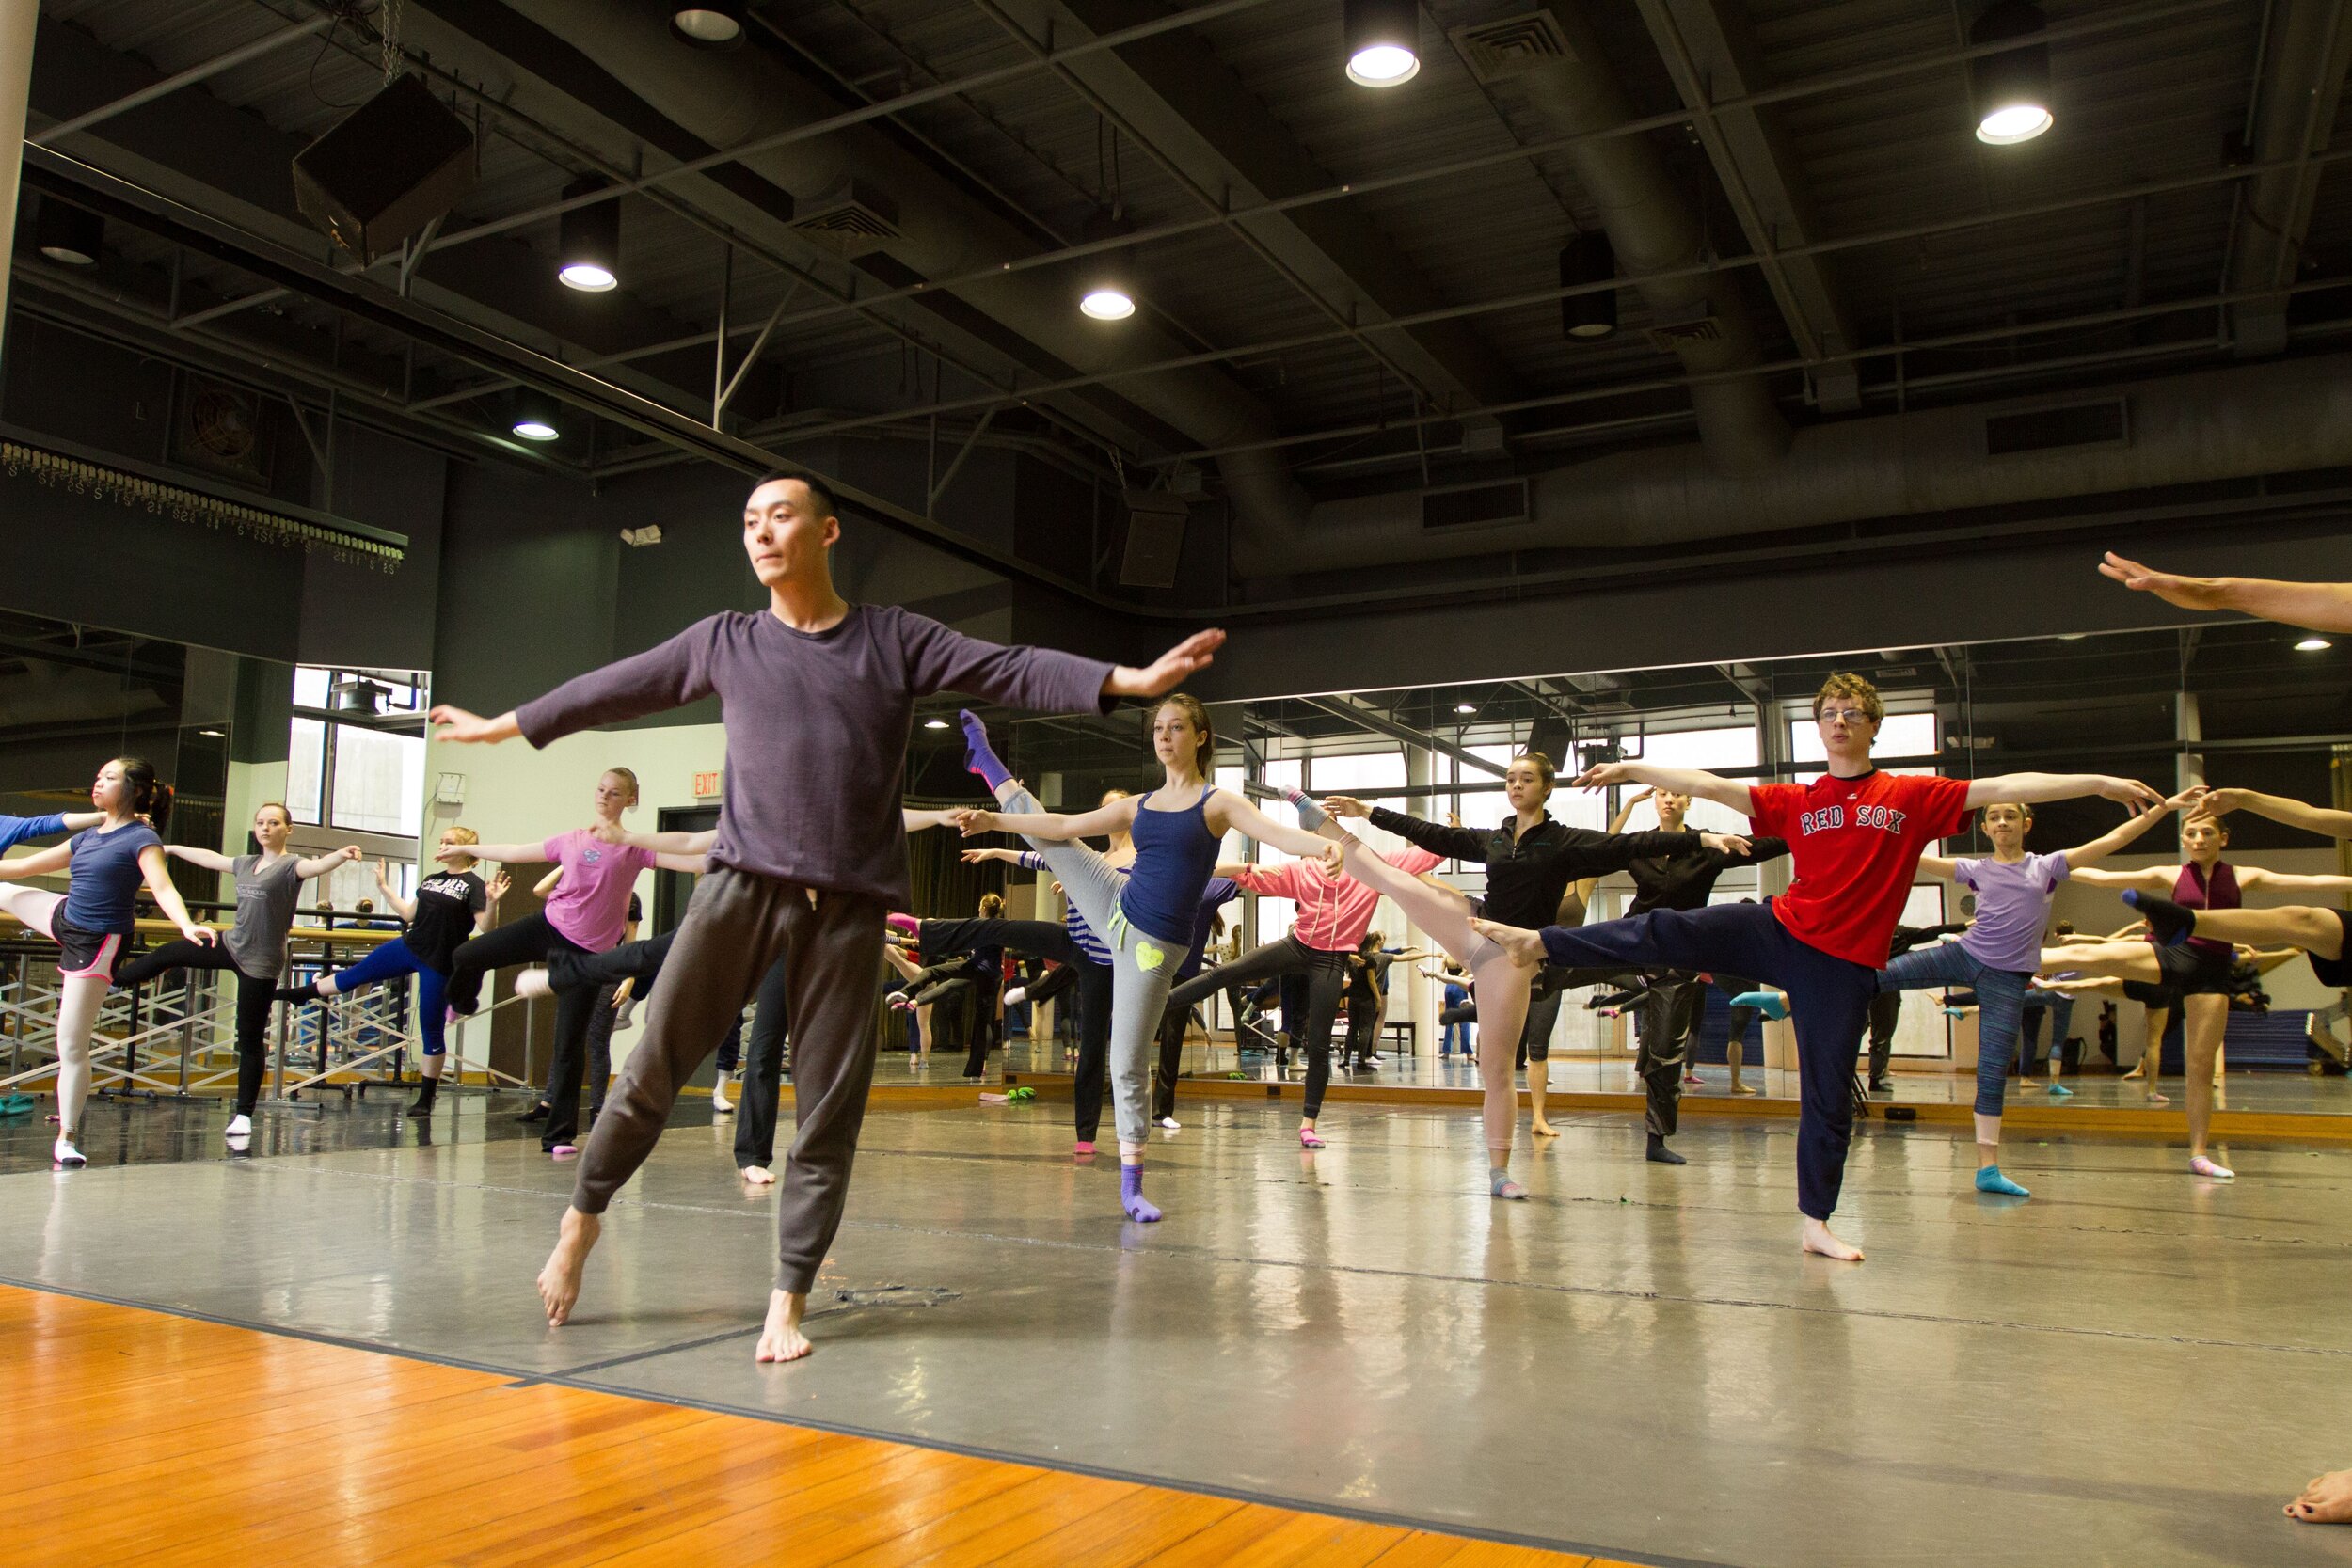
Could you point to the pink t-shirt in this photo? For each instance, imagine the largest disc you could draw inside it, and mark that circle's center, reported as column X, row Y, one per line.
column 590, row 905
column 1333, row 916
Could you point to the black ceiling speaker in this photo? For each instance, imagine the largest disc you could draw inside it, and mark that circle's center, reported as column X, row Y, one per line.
column 1551, row 735
column 1588, row 259
column 386, row 169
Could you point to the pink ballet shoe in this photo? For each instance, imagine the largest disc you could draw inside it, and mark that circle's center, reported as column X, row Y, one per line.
column 563, row 1151
column 1083, row 1149
column 1309, row 1138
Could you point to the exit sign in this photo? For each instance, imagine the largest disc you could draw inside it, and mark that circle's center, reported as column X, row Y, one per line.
column 705, row 785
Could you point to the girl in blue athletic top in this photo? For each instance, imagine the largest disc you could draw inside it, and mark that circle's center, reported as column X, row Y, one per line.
column 1145, row 916
column 92, row 921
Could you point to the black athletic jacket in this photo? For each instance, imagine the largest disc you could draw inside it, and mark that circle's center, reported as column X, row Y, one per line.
column 1527, row 876
column 1684, row 881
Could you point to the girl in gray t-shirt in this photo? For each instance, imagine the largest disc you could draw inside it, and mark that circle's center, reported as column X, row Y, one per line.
column 254, row 947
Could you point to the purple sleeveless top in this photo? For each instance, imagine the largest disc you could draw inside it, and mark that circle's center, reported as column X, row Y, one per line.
column 2192, row 890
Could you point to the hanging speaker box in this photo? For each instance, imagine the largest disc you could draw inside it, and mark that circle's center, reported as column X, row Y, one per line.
column 386, row 169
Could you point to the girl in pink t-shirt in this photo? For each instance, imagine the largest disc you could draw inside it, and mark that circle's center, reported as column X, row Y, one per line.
column 586, row 913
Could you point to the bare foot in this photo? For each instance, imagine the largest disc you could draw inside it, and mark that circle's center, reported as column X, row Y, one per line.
column 559, row 1282
column 1543, row 1129
column 759, row 1175
column 2328, row 1500
column 781, row 1339
column 2157, row 1099
column 1815, row 1237
column 1526, row 947
column 2135, row 1074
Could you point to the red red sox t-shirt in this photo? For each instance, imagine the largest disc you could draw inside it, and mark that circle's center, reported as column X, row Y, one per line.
column 1855, row 844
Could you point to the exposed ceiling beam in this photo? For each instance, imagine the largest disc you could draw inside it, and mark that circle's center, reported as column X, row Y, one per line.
column 172, row 83
column 2291, row 119
column 1711, row 54
column 1364, row 715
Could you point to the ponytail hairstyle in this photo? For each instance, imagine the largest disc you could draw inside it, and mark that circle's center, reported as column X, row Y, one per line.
column 279, row 806
column 992, row 905
column 1204, row 755
column 1543, row 765
column 627, row 777
column 147, row 797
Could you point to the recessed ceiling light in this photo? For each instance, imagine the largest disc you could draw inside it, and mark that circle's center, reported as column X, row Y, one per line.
column 588, row 239
column 1107, row 303
column 1382, row 38
column 934, row 723
column 708, row 24
column 1466, row 707
column 2011, row 88
column 535, row 430
column 2314, row 645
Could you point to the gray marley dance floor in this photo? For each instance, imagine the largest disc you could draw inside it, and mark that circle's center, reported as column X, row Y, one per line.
column 2135, row 1368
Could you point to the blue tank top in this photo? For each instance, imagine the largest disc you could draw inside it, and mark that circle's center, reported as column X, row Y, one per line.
column 1175, row 851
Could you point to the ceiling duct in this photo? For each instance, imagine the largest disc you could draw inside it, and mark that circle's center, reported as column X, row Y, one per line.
column 1474, row 505
column 853, row 220
column 2278, row 417
column 1703, row 318
column 731, row 98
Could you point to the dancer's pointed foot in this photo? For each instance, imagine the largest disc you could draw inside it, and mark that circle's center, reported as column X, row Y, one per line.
column 780, row 1337
column 559, row 1281
column 2328, row 1500
column 979, row 755
column 1990, row 1180
column 2169, row 923
column 1526, row 947
column 533, row 982
column 1131, row 1198
column 1815, row 1237
column 1772, row 1004
column 2200, row 1165
column 1310, row 815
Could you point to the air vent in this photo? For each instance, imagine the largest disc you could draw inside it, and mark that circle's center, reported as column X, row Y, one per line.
column 1498, row 50
column 1693, row 324
column 2103, row 424
column 1474, row 505
column 853, row 220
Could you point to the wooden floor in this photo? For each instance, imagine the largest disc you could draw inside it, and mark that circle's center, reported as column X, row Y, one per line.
column 138, row 1438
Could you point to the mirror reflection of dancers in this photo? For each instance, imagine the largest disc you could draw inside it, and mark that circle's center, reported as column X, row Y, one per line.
column 452, row 904
column 93, row 921
column 588, row 912
column 817, row 698
column 1333, row 913
column 1996, row 955
column 1531, row 862
column 1857, row 834
column 1149, row 914
column 1671, row 1011
column 268, row 886
column 2199, row 968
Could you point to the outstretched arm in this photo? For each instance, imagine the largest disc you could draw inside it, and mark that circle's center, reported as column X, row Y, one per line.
column 1228, row 811
column 1677, row 781
column 2320, row 606
column 2034, row 788
column 319, row 865
column 156, row 866
column 1114, row 817
column 2122, row 834
column 2295, row 814
column 492, row 851
column 2153, row 878
column 693, row 865
column 207, row 858
column 41, row 863
column 1938, row 866
column 2252, row 877
column 914, row 821
column 660, row 844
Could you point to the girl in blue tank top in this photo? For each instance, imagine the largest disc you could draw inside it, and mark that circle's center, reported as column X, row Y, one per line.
column 1148, row 922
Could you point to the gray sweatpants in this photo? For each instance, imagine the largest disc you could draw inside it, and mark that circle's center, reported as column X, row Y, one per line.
column 737, row 926
column 1143, row 966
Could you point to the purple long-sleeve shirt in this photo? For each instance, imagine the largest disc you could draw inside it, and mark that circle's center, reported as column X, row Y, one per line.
column 817, row 727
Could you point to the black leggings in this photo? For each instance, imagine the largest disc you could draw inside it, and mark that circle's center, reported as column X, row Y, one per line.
column 1326, row 976
column 254, row 996
column 534, row 938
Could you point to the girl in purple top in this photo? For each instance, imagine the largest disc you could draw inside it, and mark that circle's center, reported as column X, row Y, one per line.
column 587, row 913
column 1999, row 954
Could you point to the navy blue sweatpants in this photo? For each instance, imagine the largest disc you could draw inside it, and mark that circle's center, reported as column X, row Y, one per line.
column 1829, row 1001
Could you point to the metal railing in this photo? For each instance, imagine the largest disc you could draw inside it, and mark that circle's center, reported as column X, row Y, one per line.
column 176, row 1038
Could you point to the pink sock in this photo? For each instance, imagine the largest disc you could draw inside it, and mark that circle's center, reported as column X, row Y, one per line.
column 906, row 923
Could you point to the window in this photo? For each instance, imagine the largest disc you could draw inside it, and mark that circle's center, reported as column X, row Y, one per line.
column 379, row 781
column 1902, row 735
column 306, row 768
column 1712, row 749
column 1364, row 774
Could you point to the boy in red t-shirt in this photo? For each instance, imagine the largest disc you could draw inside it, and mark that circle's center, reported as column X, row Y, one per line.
column 1855, row 836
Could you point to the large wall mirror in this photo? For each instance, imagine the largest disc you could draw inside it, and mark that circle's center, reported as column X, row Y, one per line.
column 2232, row 704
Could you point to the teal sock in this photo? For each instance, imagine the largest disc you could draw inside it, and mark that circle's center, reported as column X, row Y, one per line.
column 1772, row 1004
column 1990, row 1180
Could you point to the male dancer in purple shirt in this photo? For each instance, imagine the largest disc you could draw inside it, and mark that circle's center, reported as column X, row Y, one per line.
column 817, row 698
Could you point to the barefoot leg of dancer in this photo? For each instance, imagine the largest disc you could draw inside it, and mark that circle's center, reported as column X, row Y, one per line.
column 1502, row 984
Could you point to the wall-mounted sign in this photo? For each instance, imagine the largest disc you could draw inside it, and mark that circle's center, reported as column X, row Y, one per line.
column 706, row 787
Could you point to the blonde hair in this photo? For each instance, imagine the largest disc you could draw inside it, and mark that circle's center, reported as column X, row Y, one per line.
column 1204, row 752
column 992, row 905
column 461, row 835
column 626, row 777
column 1855, row 688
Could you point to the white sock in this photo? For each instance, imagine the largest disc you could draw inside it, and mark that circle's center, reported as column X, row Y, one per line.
column 239, row 1127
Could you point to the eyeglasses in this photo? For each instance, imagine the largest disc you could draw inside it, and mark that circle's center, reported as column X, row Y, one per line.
column 1844, row 716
